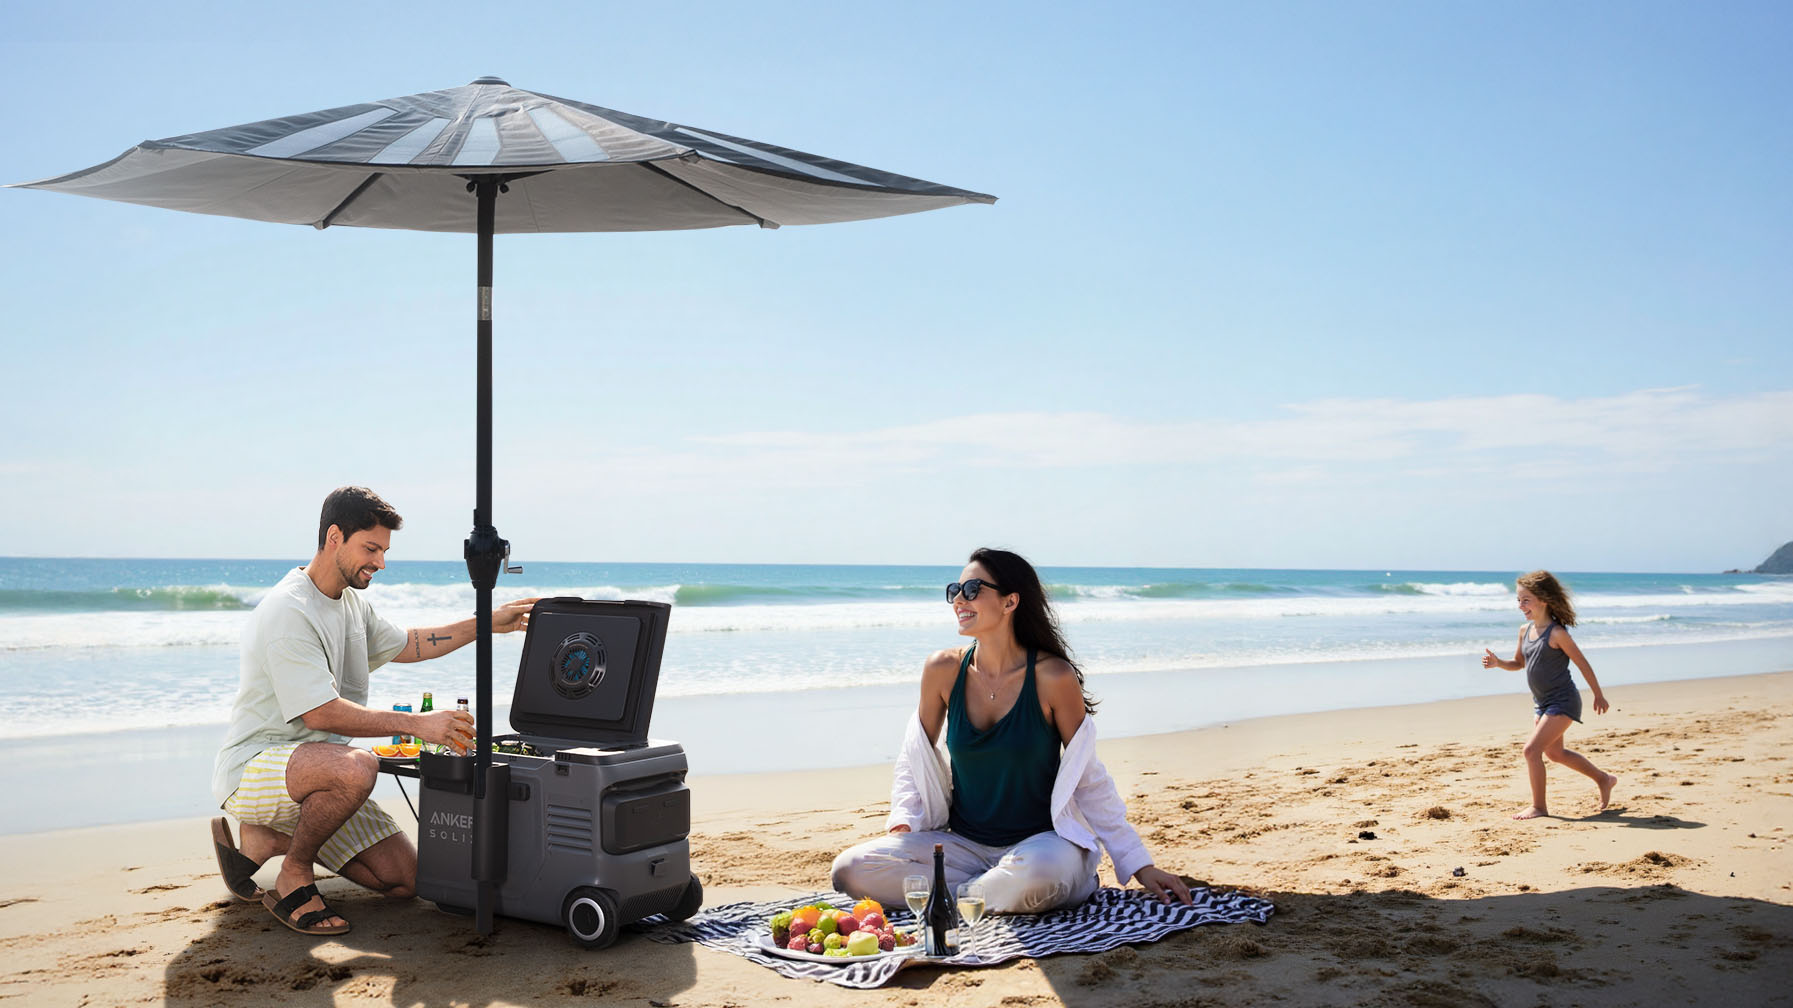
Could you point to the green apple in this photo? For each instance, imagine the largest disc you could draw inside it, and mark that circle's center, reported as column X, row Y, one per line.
column 862, row 943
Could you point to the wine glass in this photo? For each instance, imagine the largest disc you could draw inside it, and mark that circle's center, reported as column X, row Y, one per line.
column 915, row 893
column 971, row 910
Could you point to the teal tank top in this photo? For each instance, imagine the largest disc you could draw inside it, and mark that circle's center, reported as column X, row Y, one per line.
column 1002, row 776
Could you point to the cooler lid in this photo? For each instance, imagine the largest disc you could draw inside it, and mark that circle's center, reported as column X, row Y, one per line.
column 589, row 670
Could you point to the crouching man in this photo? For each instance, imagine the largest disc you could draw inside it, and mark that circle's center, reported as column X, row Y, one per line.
column 286, row 771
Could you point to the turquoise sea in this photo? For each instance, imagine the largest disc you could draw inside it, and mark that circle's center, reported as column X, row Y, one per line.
column 116, row 676
column 108, row 645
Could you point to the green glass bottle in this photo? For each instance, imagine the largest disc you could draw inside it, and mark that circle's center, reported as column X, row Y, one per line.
column 424, row 708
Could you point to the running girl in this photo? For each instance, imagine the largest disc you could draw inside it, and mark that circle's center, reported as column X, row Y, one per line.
column 1545, row 651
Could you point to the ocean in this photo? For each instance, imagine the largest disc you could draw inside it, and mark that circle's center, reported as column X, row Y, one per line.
column 93, row 646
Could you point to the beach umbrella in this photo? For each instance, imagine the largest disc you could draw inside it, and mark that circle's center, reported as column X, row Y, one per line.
column 489, row 158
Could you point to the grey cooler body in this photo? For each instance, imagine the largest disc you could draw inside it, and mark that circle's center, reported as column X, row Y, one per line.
column 590, row 831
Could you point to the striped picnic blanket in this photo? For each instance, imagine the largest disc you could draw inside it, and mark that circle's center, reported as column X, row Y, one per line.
column 1109, row 918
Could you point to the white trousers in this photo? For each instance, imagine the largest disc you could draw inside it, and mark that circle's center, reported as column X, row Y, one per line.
column 1043, row 872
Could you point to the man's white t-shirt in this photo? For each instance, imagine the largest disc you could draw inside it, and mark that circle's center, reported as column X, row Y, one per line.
column 302, row 649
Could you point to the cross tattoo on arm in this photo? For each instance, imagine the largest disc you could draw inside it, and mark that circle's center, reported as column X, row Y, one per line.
column 435, row 639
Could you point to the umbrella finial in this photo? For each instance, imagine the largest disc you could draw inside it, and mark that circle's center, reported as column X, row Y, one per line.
column 492, row 80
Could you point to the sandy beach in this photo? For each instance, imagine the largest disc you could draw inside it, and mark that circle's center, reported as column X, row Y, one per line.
column 1681, row 893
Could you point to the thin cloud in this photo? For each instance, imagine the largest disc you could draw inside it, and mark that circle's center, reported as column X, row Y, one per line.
column 1652, row 427
column 1345, row 441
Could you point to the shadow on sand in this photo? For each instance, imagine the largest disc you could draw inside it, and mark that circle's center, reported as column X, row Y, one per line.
column 1617, row 816
column 1658, row 945
column 410, row 953
column 1601, row 945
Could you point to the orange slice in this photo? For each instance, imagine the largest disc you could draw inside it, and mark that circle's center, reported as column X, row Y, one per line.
column 409, row 749
column 385, row 750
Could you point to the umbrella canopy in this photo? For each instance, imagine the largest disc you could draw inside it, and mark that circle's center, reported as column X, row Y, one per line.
column 403, row 163
column 440, row 161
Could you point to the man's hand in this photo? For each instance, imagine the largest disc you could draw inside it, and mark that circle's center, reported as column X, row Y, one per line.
column 452, row 728
column 434, row 642
column 1162, row 884
column 513, row 615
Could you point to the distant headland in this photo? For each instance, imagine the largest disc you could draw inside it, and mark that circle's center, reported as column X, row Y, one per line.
column 1781, row 562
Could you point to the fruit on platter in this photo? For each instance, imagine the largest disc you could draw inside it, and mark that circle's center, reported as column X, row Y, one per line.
column 386, row 750
column 822, row 929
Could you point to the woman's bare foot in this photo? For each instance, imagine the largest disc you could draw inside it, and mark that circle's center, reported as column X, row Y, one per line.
column 1606, row 790
column 1531, row 813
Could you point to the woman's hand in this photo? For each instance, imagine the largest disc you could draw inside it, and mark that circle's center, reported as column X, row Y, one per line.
column 1488, row 659
column 1162, row 884
column 1600, row 704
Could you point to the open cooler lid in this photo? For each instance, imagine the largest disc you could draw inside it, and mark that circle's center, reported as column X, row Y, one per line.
column 589, row 670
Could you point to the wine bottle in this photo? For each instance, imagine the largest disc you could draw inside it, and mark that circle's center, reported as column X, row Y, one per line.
column 937, row 916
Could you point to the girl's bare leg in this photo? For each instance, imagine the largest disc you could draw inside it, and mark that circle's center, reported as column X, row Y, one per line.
column 1546, row 731
column 1582, row 765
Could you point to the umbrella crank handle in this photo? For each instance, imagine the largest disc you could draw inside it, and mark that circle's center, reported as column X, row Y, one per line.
column 486, row 555
column 508, row 567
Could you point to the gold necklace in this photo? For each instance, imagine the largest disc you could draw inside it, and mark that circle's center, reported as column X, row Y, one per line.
column 992, row 690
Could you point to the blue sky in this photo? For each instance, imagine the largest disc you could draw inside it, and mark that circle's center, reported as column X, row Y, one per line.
column 1376, row 285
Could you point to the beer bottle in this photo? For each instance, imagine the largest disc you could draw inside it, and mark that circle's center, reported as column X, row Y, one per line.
column 937, row 916
column 425, row 707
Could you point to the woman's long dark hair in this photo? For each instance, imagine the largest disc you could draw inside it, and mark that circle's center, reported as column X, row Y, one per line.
column 1036, row 627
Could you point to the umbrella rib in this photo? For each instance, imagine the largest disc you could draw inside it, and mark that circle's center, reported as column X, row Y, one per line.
column 663, row 173
column 330, row 218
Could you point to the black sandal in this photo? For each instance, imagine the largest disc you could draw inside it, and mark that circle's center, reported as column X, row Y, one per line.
column 238, row 871
column 283, row 909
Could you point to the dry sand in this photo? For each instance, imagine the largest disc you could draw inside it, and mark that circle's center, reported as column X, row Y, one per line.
column 1681, row 893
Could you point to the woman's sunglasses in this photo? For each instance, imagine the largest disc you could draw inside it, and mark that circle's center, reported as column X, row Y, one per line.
column 969, row 588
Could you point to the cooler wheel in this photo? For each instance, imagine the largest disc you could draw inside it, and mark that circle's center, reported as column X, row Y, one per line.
column 691, row 901
column 590, row 917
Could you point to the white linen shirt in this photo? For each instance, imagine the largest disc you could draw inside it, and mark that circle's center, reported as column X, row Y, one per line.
column 1086, row 807
column 301, row 650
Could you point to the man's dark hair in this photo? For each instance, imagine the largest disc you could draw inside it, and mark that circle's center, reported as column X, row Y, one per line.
column 355, row 509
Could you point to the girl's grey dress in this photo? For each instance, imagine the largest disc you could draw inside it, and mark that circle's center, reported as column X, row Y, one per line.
column 1547, row 672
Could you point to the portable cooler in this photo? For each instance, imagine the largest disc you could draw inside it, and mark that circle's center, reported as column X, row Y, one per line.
column 591, row 831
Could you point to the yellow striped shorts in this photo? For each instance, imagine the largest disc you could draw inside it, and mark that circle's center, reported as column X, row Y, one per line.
column 261, row 799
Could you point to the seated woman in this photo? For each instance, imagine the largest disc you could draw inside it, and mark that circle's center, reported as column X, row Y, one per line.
column 1017, row 798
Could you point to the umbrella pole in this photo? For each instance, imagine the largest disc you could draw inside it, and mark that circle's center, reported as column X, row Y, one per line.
column 485, row 553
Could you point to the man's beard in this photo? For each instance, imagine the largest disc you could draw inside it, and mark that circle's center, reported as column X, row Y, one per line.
column 352, row 575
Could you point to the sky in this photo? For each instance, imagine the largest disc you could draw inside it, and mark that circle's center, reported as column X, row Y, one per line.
column 1415, row 285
